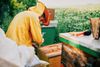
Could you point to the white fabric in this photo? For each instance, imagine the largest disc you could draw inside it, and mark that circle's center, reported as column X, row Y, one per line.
column 2, row 34
column 35, row 61
column 9, row 54
column 28, row 57
column 12, row 55
column 26, row 54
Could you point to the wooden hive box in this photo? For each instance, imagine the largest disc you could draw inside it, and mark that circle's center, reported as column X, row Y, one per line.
column 51, row 54
column 95, row 27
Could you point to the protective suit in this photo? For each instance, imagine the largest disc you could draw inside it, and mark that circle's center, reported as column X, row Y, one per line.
column 25, row 27
column 12, row 55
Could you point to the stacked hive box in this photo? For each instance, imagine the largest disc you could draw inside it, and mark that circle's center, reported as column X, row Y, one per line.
column 72, row 57
column 51, row 54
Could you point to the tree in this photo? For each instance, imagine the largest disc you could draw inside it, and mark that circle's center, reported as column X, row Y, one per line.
column 9, row 8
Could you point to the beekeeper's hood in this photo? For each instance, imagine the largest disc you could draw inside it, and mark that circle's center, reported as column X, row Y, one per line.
column 38, row 9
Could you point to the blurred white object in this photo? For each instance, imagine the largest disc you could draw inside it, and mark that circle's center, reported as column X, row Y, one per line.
column 12, row 55
column 35, row 61
column 26, row 54
column 2, row 34
column 9, row 55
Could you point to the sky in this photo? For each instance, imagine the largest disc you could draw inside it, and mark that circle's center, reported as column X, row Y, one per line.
column 67, row 3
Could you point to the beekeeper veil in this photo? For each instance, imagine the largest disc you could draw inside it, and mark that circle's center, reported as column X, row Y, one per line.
column 38, row 9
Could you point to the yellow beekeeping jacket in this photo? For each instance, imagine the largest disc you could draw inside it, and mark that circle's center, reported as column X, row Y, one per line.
column 25, row 28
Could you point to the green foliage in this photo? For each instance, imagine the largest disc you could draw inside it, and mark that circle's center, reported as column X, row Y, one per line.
column 4, row 13
column 75, row 19
column 9, row 8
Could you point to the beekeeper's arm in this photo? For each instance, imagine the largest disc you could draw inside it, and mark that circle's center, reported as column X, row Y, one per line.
column 35, row 30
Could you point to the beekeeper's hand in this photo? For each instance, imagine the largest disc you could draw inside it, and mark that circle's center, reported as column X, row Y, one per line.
column 42, row 40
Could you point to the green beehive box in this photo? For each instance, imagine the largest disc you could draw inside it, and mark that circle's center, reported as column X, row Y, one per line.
column 49, row 33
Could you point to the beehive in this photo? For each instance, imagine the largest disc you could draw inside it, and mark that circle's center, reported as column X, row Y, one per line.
column 52, row 54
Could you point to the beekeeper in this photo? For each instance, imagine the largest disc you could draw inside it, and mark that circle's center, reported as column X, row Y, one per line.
column 25, row 27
